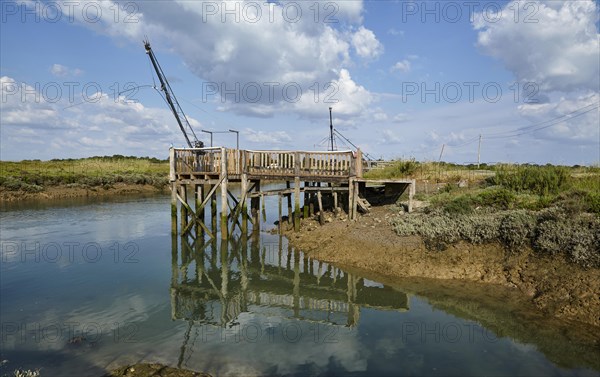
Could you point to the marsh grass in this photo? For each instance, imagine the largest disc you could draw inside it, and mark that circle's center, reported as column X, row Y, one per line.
column 35, row 175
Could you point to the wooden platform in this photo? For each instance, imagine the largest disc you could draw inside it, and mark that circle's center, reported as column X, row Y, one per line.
column 336, row 175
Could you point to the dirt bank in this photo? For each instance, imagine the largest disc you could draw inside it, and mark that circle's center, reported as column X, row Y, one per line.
column 554, row 285
column 153, row 370
column 80, row 191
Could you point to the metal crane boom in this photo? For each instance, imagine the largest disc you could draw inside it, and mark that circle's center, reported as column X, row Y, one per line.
column 182, row 121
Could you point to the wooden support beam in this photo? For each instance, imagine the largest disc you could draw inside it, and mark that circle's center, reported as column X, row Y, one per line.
column 255, row 208
column 244, row 187
column 350, row 198
column 184, row 209
column 198, row 191
column 355, row 201
column 224, row 207
column 194, row 219
column 213, row 207
column 289, row 203
column 306, row 200
column 297, row 203
column 335, row 201
column 279, row 223
column 321, row 214
column 173, row 208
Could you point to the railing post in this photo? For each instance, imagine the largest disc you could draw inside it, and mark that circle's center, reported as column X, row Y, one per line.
column 359, row 164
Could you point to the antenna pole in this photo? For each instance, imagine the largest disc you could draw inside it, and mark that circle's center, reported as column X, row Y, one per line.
column 479, row 152
column 331, row 128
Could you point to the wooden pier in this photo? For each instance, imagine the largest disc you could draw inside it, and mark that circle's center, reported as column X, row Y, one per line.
column 309, row 178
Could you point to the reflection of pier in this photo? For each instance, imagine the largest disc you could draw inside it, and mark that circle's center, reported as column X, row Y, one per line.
column 213, row 284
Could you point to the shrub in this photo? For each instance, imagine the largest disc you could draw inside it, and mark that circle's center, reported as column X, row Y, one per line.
column 517, row 228
column 32, row 188
column 12, row 184
column 542, row 180
column 496, row 197
column 461, row 205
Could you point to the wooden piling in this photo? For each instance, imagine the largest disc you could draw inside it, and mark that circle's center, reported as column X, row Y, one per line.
column 297, row 204
column 321, row 214
column 355, row 191
column 224, row 206
column 198, row 193
column 184, row 211
column 289, row 203
column 173, row 208
column 350, row 198
column 305, row 207
column 213, row 210
column 279, row 223
column 244, row 193
column 255, row 208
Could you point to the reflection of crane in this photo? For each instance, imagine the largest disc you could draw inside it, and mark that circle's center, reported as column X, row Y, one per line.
column 182, row 121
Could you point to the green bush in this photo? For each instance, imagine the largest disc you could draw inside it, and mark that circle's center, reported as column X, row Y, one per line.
column 541, row 180
column 461, row 205
column 497, row 198
column 12, row 184
column 517, row 228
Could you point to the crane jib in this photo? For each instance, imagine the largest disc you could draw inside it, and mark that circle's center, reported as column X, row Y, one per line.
column 180, row 117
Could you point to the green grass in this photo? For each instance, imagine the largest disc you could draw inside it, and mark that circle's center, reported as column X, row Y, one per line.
column 35, row 175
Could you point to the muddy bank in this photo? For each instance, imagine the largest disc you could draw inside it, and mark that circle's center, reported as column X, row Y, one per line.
column 153, row 370
column 555, row 286
column 80, row 191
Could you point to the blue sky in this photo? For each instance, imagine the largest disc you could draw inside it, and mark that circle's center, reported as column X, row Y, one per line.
column 403, row 77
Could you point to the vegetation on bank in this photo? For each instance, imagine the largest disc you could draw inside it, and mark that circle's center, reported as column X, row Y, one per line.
column 552, row 209
column 93, row 172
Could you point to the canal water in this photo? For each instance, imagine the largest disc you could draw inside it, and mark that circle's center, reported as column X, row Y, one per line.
column 92, row 285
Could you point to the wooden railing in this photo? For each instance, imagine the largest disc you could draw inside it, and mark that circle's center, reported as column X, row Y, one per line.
column 208, row 161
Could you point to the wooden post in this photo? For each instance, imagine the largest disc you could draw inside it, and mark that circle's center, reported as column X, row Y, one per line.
column 411, row 193
column 197, row 205
column 224, row 206
column 306, row 200
column 297, row 204
column 184, row 211
column 350, row 198
column 359, row 165
column 355, row 191
column 213, row 211
column 321, row 214
column 172, row 176
column 173, row 208
column 244, row 188
column 279, row 225
column 289, row 203
column 255, row 207
column 335, row 202
column 311, row 205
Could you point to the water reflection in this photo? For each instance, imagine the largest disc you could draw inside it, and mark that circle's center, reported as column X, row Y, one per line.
column 213, row 283
column 202, row 305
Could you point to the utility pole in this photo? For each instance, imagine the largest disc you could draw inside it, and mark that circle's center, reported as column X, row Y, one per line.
column 441, row 152
column 479, row 152
column 331, row 128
